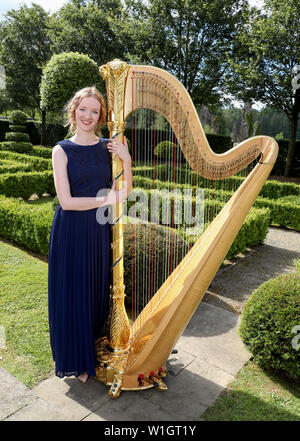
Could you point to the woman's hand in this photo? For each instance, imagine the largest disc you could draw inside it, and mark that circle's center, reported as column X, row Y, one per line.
column 115, row 196
column 119, row 149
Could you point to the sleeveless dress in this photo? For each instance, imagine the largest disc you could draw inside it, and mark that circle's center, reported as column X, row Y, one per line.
column 78, row 264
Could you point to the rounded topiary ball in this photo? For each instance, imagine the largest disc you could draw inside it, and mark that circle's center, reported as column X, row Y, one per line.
column 164, row 149
column 17, row 117
column 270, row 323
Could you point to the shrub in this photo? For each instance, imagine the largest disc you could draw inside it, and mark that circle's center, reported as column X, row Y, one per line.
column 63, row 75
column 19, row 147
column 17, row 139
column 165, row 150
column 267, row 324
column 152, row 243
column 18, row 117
column 17, row 136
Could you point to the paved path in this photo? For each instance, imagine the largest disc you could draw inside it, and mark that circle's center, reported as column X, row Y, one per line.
column 210, row 354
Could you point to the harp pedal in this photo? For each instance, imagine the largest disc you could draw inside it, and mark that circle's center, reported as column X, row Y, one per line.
column 159, row 384
column 141, row 378
column 162, row 373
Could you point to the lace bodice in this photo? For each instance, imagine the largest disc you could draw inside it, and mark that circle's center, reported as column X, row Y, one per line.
column 88, row 167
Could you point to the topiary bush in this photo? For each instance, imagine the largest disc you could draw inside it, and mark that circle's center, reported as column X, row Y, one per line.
column 268, row 324
column 165, row 150
column 17, row 139
column 63, row 75
column 152, row 244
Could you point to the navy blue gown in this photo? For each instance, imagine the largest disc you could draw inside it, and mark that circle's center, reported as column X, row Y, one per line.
column 78, row 265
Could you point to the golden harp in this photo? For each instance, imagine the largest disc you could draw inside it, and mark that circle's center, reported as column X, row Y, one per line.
column 133, row 357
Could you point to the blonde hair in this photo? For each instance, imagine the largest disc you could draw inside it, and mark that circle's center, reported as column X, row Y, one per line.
column 74, row 102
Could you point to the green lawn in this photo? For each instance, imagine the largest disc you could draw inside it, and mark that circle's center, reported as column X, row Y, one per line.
column 24, row 315
column 254, row 395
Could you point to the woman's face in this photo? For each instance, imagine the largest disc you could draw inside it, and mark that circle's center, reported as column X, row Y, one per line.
column 87, row 114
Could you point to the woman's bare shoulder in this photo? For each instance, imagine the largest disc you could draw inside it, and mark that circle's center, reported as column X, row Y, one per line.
column 59, row 152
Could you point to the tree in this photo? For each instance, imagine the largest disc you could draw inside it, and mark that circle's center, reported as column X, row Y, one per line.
column 63, row 75
column 24, row 50
column 85, row 27
column 186, row 37
column 263, row 68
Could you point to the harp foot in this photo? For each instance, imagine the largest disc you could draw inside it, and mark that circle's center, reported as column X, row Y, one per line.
column 160, row 385
column 116, row 387
column 154, row 380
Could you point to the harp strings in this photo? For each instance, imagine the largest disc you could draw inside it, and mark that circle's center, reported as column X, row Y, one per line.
column 158, row 248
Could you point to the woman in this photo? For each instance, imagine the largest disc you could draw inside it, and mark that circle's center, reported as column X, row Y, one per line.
column 78, row 264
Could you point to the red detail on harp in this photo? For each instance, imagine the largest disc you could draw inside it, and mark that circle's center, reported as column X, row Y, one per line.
column 141, row 379
column 151, row 374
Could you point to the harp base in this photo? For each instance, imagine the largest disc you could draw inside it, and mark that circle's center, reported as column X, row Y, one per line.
column 111, row 370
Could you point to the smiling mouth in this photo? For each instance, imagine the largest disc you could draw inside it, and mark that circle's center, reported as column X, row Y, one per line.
column 86, row 123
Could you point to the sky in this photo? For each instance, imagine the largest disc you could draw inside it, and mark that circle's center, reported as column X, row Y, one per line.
column 54, row 5
column 48, row 5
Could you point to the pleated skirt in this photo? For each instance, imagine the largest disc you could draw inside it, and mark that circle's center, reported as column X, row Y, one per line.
column 78, row 289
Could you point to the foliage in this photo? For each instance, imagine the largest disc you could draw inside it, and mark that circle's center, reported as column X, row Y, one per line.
column 86, row 27
column 151, row 239
column 263, row 67
column 24, row 49
column 189, row 39
column 165, row 149
column 64, row 75
column 254, row 127
column 268, row 319
column 18, row 117
column 17, row 139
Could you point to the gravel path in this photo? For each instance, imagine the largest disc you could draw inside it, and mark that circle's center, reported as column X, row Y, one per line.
column 234, row 282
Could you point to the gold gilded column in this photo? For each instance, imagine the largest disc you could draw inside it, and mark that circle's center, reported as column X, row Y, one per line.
column 112, row 352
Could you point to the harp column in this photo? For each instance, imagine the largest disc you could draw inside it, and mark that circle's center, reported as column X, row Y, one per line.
column 115, row 75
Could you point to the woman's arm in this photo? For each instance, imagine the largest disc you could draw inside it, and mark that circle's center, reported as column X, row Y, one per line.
column 62, row 186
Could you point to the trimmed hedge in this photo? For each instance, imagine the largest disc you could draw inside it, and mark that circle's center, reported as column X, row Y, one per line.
column 13, row 167
column 37, row 162
column 16, row 146
column 267, row 324
column 152, row 240
column 283, row 212
column 253, row 231
column 23, row 185
column 26, row 224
